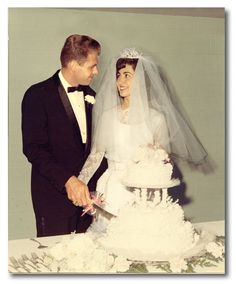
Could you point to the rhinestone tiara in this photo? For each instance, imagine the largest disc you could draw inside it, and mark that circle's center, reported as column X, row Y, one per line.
column 130, row 53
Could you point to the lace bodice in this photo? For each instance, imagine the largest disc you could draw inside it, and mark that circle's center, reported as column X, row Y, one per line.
column 123, row 148
column 123, row 115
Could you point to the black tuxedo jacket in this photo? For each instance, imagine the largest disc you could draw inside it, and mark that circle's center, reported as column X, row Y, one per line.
column 53, row 145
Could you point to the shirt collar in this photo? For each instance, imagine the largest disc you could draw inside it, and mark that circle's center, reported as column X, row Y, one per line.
column 65, row 84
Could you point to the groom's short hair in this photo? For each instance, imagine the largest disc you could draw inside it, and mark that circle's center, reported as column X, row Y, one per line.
column 77, row 47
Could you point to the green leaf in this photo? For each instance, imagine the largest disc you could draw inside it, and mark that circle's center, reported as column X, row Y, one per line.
column 137, row 268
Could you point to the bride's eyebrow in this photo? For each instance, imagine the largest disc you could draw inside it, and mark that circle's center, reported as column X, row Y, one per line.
column 126, row 72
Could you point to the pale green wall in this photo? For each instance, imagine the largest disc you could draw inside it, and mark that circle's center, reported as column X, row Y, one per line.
column 191, row 50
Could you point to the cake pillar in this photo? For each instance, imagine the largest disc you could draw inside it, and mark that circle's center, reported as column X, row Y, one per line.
column 143, row 199
column 157, row 197
column 164, row 194
column 137, row 195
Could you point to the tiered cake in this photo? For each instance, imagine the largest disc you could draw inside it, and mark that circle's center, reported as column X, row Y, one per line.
column 150, row 231
column 150, row 167
column 153, row 227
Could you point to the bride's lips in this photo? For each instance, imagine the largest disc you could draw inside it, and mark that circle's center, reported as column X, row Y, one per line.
column 123, row 88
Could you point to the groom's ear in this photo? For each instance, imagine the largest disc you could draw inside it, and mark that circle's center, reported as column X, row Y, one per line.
column 73, row 64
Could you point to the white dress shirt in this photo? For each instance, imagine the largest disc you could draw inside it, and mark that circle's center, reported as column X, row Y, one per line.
column 78, row 105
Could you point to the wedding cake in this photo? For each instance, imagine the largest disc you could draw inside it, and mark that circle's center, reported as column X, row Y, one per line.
column 150, row 167
column 150, row 231
column 147, row 231
column 153, row 227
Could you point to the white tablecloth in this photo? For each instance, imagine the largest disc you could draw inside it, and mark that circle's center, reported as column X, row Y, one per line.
column 20, row 247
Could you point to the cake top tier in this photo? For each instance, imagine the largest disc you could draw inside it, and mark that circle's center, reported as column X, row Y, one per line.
column 150, row 153
column 150, row 167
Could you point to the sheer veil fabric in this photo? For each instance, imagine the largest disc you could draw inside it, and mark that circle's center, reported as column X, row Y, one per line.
column 152, row 105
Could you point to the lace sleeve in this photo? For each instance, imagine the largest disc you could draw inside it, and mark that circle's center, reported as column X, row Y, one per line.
column 90, row 166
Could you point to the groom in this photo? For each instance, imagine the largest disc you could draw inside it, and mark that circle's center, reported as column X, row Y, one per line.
column 56, row 130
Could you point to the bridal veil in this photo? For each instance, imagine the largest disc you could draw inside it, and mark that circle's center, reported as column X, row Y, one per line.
column 151, row 103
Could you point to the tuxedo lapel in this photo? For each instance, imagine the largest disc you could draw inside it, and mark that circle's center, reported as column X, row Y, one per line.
column 66, row 104
column 70, row 113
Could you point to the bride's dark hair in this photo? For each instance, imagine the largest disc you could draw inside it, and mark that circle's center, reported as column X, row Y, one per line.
column 121, row 63
column 151, row 105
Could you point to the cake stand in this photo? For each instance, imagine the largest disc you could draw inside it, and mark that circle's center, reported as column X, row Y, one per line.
column 160, row 191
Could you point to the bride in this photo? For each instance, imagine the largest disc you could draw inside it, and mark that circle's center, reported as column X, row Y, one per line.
column 133, row 108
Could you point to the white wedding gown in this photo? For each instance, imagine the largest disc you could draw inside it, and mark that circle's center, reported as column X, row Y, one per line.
column 110, row 183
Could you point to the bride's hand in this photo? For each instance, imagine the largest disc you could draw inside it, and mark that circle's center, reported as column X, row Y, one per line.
column 78, row 192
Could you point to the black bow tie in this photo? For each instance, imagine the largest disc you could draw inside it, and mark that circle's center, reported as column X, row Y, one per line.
column 74, row 89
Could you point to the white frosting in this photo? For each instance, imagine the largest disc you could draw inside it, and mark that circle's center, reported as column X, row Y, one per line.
column 153, row 227
column 150, row 233
column 79, row 254
column 150, row 228
column 150, row 167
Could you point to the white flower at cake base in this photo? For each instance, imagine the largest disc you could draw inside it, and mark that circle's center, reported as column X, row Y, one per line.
column 79, row 253
column 75, row 264
column 178, row 265
column 57, row 251
column 47, row 260
column 215, row 249
column 90, row 99
column 99, row 261
column 121, row 264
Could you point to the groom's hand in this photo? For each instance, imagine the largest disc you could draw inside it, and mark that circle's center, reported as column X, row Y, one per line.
column 78, row 192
